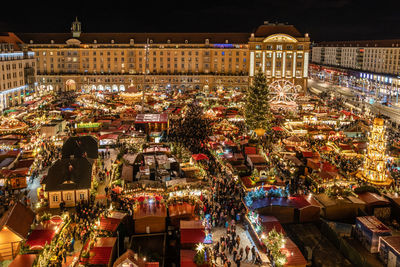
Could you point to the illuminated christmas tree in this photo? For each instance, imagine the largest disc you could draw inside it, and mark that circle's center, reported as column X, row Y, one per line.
column 375, row 170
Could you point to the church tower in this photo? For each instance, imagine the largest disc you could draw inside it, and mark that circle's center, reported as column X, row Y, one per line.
column 76, row 28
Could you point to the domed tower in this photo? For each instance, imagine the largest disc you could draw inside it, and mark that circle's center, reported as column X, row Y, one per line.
column 76, row 28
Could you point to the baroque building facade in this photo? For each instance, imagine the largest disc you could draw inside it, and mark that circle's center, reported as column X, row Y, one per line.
column 188, row 61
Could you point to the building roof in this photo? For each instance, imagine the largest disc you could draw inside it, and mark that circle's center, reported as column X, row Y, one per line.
column 373, row 224
column 152, row 118
column 78, row 145
column 69, row 174
column 266, row 30
column 23, row 260
column 293, row 254
column 139, row 38
column 151, row 211
column 361, row 43
column 373, row 199
column 18, row 219
column 393, row 242
column 191, row 225
column 298, row 202
column 11, row 38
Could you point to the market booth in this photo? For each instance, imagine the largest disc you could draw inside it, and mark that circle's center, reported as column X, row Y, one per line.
column 44, row 233
column 181, row 211
column 294, row 257
column 187, row 258
column 149, row 218
column 112, row 222
column 99, row 253
column 339, row 208
column 389, row 250
column 368, row 230
column 288, row 209
column 15, row 225
column 152, row 122
column 23, row 260
column 130, row 259
column 192, row 233
column 376, row 205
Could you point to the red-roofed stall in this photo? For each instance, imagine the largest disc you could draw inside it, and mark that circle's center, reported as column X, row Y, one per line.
column 192, row 233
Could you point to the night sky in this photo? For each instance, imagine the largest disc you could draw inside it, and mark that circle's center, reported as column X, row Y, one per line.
column 322, row 19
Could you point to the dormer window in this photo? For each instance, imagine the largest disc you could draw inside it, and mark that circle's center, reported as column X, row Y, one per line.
column 31, row 41
column 52, row 41
column 112, row 41
column 207, row 41
column 131, row 41
column 168, row 41
column 226, row 41
column 151, row 41
column 186, row 41
column 95, row 41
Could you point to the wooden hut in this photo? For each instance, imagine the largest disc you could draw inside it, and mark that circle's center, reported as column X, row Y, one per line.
column 389, row 250
column 23, row 260
column 376, row 205
column 102, row 254
column 288, row 210
column 294, row 257
column 192, row 233
column 149, row 218
column 338, row 209
column 129, row 258
column 368, row 230
column 14, row 227
column 181, row 211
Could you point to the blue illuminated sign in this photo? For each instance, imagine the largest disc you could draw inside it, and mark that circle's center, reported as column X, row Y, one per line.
column 223, row 45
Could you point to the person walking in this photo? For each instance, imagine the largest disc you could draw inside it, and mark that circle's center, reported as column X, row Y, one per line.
column 238, row 241
column 247, row 250
column 253, row 254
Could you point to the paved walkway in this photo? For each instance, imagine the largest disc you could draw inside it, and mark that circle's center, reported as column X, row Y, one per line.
column 245, row 240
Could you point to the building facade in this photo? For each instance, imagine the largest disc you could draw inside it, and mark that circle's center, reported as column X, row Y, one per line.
column 281, row 52
column 379, row 56
column 17, row 71
column 371, row 67
column 121, row 61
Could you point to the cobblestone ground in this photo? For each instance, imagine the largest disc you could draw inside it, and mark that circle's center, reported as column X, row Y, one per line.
column 245, row 240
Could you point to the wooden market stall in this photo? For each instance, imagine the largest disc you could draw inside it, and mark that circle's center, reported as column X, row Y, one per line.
column 389, row 250
column 14, row 228
column 376, row 205
column 192, row 233
column 294, row 257
column 181, row 211
column 339, row 208
column 101, row 253
column 23, row 260
column 288, row 210
column 129, row 258
column 150, row 218
column 368, row 230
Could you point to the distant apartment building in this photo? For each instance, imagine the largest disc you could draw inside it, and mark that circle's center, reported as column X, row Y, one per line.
column 378, row 56
column 373, row 65
column 17, row 71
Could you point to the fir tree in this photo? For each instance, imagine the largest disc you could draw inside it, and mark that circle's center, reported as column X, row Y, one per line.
column 257, row 111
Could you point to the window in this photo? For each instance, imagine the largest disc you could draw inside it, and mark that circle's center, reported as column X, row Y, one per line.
column 68, row 196
column 81, row 196
column 279, row 47
column 55, row 198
